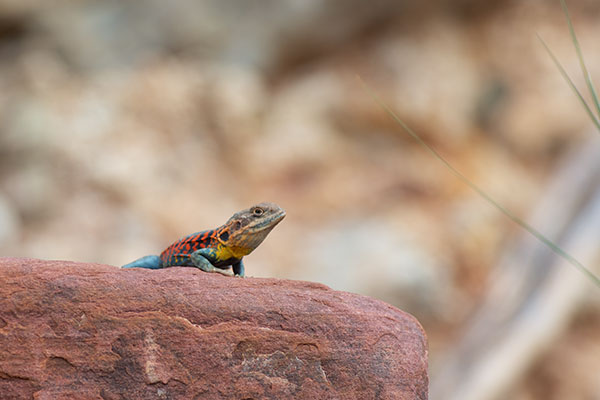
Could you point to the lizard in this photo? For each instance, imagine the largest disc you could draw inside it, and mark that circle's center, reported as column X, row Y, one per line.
column 216, row 250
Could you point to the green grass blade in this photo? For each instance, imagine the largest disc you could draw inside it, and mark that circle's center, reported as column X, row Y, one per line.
column 538, row 235
column 571, row 84
column 586, row 74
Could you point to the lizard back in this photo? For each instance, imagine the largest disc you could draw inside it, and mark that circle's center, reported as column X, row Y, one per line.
column 178, row 252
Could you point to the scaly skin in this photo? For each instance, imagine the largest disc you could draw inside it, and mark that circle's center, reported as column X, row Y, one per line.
column 218, row 249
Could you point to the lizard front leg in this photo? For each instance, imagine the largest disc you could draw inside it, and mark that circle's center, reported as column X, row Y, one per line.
column 238, row 269
column 200, row 259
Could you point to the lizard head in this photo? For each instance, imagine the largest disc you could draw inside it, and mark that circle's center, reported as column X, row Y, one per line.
column 246, row 229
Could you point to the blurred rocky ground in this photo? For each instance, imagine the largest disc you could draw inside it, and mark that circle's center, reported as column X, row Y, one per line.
column 125, row 125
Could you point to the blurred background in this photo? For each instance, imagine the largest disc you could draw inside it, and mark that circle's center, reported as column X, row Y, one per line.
column 126, row 125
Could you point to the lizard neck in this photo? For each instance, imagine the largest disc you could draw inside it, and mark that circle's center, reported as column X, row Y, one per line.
column 226, row 252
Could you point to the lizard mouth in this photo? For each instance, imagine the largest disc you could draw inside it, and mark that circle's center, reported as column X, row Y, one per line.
column 269, row 221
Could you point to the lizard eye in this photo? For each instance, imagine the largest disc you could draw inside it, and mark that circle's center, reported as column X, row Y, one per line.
column 258, row 211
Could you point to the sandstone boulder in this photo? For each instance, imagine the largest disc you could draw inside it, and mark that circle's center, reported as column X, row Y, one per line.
column 87, row 331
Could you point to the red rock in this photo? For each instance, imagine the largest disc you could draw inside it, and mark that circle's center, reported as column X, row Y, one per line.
column 86, row 331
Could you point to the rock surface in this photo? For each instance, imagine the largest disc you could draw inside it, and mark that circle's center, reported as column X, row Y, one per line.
column 87, row 331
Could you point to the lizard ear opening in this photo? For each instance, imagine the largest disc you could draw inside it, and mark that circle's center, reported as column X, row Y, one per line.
column 224, row 236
